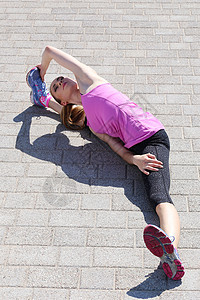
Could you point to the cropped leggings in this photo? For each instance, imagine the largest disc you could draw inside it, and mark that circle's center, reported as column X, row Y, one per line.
column 157, row 183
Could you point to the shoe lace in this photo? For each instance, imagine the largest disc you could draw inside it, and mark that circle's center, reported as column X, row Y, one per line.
column 172, row 238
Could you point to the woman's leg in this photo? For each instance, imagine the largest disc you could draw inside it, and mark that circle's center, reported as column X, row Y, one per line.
column 169, row 220
column 157, row 185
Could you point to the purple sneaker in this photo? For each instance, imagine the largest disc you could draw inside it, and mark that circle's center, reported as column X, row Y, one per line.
column 160, row 244
column 39, row 94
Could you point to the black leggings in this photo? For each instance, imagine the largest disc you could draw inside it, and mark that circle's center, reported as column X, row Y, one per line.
column 157, row 183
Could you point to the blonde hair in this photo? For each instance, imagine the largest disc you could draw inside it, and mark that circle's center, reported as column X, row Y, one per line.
column 71, row 116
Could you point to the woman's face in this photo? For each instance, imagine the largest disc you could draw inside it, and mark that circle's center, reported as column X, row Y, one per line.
column 62, row 88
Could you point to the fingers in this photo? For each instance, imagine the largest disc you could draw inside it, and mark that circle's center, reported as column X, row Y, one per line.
column 151, row 155
column 145, row 172
column 152, row 159
column 42, row 74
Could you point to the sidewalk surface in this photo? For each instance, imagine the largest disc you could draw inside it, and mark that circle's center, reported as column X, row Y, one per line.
column 72, row 212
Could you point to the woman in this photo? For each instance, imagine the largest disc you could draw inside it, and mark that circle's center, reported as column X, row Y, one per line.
column 138, row 137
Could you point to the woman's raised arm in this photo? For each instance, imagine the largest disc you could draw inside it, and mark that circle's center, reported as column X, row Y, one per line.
column 67, row 61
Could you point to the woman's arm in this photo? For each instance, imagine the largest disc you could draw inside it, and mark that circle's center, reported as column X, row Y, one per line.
column 144, row 162
column 55, row 105
column 65, row 60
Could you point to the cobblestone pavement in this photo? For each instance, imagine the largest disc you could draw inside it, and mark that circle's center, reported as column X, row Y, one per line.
column 71, row 211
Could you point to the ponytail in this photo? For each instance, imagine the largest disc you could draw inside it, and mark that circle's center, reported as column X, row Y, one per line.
column 72, row 115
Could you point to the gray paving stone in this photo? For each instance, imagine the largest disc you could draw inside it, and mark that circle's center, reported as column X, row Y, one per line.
column 96, row 201
column 111, row 219
column 31, row 255
column 190, row 239
column 50, row 293
column 110, row 238
column 97, row 278
column 8, row 216
column 183, row 172
column 16, row 292
column 13, row 276
column 187, row 254
column 29, row 236
column 76, row 256
column 88, row 294
column 20, row 200
column 57, row 200
column 72, row 218
column 194, row 203
column 52, row 277
column 171, row 295
column 117, row 257
column 3, row 231
column 70, row 237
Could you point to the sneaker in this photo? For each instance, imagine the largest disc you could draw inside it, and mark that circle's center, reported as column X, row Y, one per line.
column 160, row 244
column 39, row 94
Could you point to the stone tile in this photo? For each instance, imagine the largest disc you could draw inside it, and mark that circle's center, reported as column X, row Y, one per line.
column 97, row 278
column 76, row 256
column 50, row 293
column 52, row 277
column 117, row 257
column 110, row 238
column 94, row 295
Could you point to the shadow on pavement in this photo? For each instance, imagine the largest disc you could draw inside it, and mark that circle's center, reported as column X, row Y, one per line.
column 153, row 286
column 80, row 164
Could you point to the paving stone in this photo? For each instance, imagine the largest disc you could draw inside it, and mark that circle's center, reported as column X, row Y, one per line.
column 194, row 203
column 71, row 218
column 29, row 217
column 57, row 200
column 29, row 236
column 48, row 293
column 75, row 256
column 53, row 277
column 97, row 278
column 16, row 292
column 31, row 255
column 190, row 239
column 110, row 238
column 89, row 294
column 117, row 257
column 8, row 216
column 13, row 276
column 111, row 219
column 182, row 295
column 96, row 201
column 70, row 237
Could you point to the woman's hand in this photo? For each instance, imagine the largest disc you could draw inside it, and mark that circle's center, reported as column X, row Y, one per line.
column 147, row 162
column 46, row 59
column 42, row 71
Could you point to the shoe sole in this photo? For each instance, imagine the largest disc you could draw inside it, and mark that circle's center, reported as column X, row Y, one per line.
column 161, row 246
column 27, row 75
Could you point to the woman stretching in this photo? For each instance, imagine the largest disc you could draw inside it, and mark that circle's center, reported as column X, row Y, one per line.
column 137, row 136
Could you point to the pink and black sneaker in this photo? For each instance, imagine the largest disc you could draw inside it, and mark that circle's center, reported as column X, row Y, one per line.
column 160, row 244
column 39, row 94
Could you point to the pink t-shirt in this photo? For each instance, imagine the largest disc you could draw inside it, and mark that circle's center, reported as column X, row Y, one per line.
column 111, row 112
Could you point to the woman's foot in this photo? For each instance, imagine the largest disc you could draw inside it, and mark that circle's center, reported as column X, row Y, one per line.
column 160, row 244
column 39, row 94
